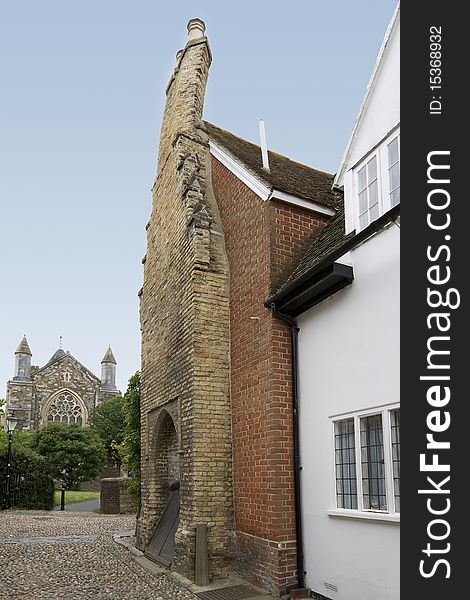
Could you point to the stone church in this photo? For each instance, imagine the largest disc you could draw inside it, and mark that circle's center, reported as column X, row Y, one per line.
column 61, row 391
column 228, row 221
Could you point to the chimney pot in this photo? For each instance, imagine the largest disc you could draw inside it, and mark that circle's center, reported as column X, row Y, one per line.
column 196, row 29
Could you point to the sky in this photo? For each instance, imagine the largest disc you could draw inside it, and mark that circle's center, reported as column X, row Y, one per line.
column 81, row 99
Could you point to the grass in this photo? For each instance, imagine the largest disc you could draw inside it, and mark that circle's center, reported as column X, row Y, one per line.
column 71, row 497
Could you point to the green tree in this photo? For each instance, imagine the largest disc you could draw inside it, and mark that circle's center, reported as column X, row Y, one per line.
column 107, row 420
column 75, row 454
column 130, row 447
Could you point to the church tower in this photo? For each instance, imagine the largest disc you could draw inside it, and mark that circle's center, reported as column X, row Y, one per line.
column 23, row 356
column 108, row 376
column 20, row 387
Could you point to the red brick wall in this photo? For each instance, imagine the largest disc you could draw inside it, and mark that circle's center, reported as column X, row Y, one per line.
column 260, row 239
column 291, row 229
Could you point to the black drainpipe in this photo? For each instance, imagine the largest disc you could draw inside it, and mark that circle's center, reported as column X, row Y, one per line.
column 297, row 467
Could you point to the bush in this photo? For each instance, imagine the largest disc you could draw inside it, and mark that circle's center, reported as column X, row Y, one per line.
column 31, row 483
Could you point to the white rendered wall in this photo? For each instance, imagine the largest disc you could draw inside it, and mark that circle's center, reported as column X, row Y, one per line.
column 380, row 115
column 348, row 361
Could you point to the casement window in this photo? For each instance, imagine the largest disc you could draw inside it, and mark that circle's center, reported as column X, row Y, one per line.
column 376, row 181
column 367, row 461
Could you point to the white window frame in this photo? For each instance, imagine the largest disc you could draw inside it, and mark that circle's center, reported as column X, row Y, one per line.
column 383, row 184
column 360, row 512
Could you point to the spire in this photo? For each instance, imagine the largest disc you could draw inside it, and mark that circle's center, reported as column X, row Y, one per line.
column 23, row 347
column 109, row 357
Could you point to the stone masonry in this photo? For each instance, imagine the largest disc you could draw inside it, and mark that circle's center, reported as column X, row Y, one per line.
column 63, row 390
column 185, row 385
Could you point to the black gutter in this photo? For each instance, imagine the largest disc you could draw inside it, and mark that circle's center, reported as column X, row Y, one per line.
column 348, row 244
column 297, row 466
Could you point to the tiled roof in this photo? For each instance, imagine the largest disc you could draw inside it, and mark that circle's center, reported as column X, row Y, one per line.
column 285, row 174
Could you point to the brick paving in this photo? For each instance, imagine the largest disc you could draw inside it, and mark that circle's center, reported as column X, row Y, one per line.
column 66, row 555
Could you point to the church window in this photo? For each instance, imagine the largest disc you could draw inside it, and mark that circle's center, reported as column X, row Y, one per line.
column 67, row 376
column 65, row 409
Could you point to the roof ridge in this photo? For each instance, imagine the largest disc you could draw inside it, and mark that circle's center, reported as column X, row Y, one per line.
column 285, row 175
column 283, row 156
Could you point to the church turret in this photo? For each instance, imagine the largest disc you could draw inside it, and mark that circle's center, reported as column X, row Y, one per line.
column 23, row 356
column 108, row 371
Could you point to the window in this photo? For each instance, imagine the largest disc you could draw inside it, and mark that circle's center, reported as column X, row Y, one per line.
column 376, row 181
column 368, row 193
column 65, row 409
column 67, row 376
column 394, row 171
column 345, row 454
column 367, row 461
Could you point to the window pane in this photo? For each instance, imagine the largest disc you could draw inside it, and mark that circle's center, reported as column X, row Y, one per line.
column 395, row 433
column 372, row 461
column 361, row 179
column 363, row 221
column 363, row 202
column 395, row 176
column 373, row 201
column 393, row 152
column 395, row 197
column 345, row 461
column 372, row 169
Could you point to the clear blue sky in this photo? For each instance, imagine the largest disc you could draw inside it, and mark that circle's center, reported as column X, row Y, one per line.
column 81, row 99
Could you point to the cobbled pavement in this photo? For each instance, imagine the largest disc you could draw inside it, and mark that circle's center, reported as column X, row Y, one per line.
column 77, row 569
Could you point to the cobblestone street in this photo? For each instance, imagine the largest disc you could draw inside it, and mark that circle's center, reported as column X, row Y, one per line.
column 46, row 555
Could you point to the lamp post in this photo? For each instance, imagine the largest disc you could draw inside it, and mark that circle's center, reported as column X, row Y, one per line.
column 11, row 423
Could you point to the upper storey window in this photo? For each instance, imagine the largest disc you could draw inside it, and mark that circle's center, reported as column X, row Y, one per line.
column 377, row 182
column 394, row 170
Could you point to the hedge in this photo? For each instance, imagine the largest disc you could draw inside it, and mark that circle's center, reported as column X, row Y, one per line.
column 31, row 484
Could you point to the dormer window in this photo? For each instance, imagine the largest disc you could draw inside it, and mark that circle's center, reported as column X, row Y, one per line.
column 376, row 181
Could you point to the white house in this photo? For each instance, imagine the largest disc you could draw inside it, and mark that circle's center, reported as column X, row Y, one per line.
column 344, row 295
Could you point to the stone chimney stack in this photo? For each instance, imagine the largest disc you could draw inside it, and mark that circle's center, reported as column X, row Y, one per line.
column 196, row 29
column 184, row 316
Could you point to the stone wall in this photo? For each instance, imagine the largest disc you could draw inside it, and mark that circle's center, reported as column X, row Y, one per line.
column 51, row 379
column 185, row 406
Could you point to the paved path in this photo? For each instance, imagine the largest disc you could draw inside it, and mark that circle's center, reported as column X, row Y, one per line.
column 70, row 555
column 85, row 506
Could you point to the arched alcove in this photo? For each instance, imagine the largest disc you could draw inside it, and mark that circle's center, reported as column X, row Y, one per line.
column 166, row 457
column 167, row 496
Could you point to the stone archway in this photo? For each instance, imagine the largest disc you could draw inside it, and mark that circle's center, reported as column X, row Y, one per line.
column 167, row 478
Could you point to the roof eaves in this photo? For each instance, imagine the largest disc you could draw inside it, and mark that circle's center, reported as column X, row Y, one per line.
column 349, row 242
column 234, row 165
